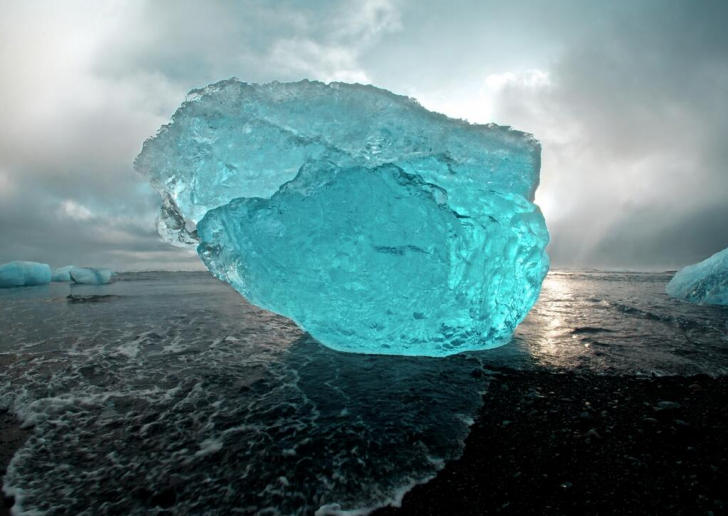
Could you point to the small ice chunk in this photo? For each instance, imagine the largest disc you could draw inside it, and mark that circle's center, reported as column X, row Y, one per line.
column 704, row 283
column 89, row 276
column 62, row 274
column 24, row 274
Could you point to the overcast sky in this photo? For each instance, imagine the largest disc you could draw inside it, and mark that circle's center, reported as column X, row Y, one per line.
column 629, row 99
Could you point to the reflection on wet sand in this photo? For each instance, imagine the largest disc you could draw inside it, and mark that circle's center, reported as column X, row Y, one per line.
column 218, row 403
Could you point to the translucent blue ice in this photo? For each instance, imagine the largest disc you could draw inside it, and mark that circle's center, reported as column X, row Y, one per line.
column 90, row 276
column 705, row 282
column 62, row 274
column 376, row 225
column 24, row 274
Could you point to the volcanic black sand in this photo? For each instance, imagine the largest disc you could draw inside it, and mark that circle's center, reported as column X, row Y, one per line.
column 547, row 443
column 12, row 437
column 551, row 443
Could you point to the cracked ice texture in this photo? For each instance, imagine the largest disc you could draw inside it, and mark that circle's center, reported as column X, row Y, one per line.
column 90, row 276
column 62, row 274
column 376, row 225
column 705, row 282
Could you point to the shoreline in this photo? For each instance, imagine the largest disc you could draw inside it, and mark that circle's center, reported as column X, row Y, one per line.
column 12, row 438
column 572, row 443
column 548, row 442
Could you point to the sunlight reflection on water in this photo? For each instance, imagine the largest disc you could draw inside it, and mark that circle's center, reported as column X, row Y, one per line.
column 617, row 322
column 229, row 406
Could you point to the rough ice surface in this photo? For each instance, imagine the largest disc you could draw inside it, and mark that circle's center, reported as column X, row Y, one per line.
column 376, row 225
column 89, row 276
column 704, row 283
column 24, row 274
column 62, row 274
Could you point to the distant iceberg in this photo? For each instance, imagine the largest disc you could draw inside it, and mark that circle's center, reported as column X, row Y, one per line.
column 62, row 274
column 89, row 276
column 703, row 283
column 24, row 274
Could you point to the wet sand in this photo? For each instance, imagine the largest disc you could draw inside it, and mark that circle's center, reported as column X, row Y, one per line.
column 548, row 443
column 12, row 438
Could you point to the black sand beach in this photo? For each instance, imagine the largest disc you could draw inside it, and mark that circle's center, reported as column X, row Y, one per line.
column 565, row 428
column 548, row 443
column 568, row 443
column 12, row 437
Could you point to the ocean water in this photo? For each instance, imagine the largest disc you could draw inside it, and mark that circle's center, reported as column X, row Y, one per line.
column 167, row 393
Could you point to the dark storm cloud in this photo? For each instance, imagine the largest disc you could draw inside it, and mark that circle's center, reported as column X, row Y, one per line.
column 257, row 41
column 84, row 84
column 641, row 177
column 628, row 99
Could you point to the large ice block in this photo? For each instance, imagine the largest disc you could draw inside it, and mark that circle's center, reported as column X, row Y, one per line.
column 376, row 225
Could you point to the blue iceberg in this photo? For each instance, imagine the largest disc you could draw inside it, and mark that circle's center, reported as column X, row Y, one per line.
column 703, row 283
column 62, row 274
column 376, row 225
column 90, row 276
column 24, row 274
